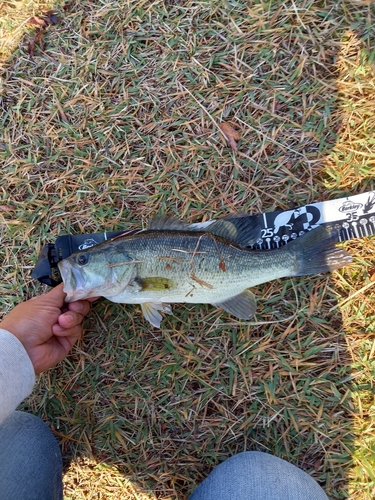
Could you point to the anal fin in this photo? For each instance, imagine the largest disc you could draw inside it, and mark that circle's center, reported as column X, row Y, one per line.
column 151, row 312
column 242, row 306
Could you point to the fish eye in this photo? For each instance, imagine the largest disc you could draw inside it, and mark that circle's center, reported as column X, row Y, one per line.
column 82, row 259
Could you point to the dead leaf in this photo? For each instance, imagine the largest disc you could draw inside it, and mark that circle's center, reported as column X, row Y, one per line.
column 317, row 465
column 371, row 273
column 46, row 19
column 37, row 21
column 230, row 134
column 36, row 40
column 6, row 208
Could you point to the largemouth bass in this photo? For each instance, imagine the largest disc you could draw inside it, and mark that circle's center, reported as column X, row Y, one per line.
column 171, row 262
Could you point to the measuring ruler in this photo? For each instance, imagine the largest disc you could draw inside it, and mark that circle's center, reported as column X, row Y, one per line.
column 352, row 217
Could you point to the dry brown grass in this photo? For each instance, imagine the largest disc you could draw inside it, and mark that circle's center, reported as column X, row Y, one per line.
column 116, row 118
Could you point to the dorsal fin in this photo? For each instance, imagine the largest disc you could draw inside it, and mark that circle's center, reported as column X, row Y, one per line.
column 168, row 223
column 240, row 228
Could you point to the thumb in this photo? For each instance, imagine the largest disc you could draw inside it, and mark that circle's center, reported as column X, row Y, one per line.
column 57, row 295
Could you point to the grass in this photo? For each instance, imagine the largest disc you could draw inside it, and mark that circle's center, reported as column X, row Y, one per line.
column 115, row 118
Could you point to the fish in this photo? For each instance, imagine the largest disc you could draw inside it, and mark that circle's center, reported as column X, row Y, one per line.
column 174, row 262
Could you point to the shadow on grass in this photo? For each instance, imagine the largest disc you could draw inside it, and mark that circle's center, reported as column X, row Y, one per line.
column 112, row 120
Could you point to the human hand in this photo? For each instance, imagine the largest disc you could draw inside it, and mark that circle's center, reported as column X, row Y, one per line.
column 47, row 327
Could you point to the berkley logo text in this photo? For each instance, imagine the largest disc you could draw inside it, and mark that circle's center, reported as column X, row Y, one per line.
column 349, row 206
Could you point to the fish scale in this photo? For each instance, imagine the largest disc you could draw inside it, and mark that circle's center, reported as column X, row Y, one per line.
column 203, row 268
column 174, row 263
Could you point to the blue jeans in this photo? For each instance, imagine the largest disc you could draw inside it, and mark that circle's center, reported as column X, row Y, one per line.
column 253, row 475
column 30, row 460
column 31, row 469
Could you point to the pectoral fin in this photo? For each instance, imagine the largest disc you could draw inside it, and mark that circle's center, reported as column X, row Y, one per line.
column 242, row 306
column 151, row 312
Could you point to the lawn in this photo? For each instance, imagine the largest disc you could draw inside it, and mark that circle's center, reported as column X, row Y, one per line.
column 110, row 115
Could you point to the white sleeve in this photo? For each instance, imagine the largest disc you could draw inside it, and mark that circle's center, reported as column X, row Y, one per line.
column 17, row 376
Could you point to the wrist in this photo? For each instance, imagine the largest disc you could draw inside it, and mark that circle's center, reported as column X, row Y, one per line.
column 10, row 327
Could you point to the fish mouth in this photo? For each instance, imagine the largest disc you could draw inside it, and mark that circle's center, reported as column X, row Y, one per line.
column 74, row 285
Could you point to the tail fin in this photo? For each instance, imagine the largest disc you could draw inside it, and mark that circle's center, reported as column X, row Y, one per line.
column 316, row 252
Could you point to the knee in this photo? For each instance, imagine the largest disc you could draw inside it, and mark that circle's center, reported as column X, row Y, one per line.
column 250, row 464
column 20, row 420
column 257, row 475
column 30, row 459
column 251, row 460
column 25, row 434
column 21, row 424
column 257, row 466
